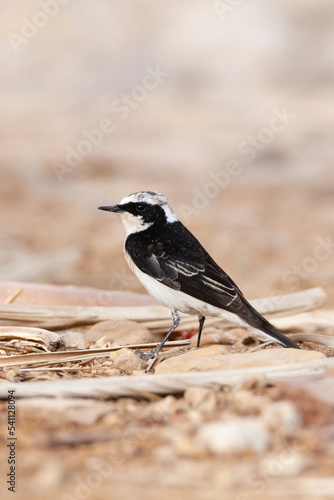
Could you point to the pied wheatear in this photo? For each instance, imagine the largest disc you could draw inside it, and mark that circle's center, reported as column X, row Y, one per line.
column 177, row 271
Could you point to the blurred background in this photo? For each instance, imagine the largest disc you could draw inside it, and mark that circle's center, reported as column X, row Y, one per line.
column 224, row 107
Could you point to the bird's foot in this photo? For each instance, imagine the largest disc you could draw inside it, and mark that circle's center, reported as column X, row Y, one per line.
column 146, row 355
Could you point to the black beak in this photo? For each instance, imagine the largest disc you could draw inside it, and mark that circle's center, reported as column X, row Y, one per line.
column 113, row 208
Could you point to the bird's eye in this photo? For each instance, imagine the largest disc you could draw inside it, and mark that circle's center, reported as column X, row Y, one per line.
column 140, row 207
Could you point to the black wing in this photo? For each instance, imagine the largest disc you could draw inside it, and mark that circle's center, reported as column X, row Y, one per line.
column 177, row 259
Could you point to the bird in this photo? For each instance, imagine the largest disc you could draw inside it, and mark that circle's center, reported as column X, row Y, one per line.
column 176, row 269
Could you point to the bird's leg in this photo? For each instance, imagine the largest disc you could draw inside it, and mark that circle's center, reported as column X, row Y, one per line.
column 201, row 324
column 150, row 355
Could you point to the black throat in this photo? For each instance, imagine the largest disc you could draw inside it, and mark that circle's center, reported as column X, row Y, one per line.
column 149, row 214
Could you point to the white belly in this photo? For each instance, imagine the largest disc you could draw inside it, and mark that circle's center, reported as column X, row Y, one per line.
column 174, row 299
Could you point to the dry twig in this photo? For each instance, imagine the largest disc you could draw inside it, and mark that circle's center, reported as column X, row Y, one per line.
column 167, row 383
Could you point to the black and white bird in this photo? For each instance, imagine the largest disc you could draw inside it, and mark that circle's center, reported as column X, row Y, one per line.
column 177, row 271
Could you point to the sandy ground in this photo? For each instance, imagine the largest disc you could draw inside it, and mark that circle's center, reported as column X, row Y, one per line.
column 263, row 209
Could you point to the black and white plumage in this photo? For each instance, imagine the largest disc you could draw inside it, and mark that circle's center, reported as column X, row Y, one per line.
column 175, row 268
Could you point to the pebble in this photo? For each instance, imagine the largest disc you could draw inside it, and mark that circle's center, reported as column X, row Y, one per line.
column 120, row 332
column 235, row 436
column 190, row 360
column 281, row 417
column 119, row 352
column 74, row 339
column 127, row 360
column 215, row 358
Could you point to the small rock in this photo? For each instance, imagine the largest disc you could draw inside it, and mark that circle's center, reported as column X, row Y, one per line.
column 281, row 417
column 235, row 436
column 74, row 339
column 120, row 332
column 127, row 360
column 191, row 359
column 213, row 358
column 201, row 398
column 119, row 352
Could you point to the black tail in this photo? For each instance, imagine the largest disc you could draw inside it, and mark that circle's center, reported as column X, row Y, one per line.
column 254, row 319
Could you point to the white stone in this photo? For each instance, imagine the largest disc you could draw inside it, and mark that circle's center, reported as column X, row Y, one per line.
column 235, row 436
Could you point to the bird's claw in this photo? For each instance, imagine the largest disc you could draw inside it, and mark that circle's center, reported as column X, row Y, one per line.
column 145, row 355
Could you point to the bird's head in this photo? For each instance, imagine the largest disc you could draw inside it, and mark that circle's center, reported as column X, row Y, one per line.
column 141, row 210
